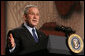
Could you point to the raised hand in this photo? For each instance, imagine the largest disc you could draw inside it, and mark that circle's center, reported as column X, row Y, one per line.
column 11, row 40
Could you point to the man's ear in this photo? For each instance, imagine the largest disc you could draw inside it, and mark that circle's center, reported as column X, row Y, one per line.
column 24, row 16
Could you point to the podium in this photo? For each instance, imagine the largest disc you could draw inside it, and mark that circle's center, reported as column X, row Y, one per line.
column 57, row 45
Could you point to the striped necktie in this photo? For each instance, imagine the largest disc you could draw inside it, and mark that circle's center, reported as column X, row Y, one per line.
column 34, row 35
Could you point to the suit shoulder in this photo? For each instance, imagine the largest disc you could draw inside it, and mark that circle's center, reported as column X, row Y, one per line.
column 41, row 32
column 15, row 30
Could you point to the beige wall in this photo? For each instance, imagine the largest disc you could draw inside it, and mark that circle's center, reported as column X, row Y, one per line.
column 48, row 13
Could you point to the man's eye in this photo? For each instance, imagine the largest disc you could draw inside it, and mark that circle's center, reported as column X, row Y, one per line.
column 31, row 13
column 37, row 14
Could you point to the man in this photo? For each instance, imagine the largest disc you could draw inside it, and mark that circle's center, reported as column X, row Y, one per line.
column 27, row 39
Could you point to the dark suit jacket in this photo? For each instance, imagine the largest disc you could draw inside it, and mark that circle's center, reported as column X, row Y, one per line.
column 25, row 43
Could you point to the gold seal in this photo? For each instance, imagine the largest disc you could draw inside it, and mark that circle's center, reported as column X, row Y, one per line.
column 75, row 43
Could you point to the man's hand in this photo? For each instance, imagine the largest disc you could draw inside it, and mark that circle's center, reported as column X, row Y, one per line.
column 11, row 40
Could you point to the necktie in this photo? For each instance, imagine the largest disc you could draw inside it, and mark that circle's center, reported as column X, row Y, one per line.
column 34, row 35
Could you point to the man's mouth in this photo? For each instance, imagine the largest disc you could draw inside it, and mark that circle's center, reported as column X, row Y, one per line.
column 34, row 20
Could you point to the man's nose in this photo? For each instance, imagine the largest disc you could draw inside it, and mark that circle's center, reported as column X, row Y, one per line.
column 35, row 16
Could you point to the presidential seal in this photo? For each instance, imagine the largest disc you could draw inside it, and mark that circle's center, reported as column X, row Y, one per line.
column 75, row 43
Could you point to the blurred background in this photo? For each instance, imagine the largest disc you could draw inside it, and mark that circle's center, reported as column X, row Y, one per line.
column 66, row 13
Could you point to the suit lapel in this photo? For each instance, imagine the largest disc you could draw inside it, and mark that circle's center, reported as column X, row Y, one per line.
column 27, row 33
column 39, row 35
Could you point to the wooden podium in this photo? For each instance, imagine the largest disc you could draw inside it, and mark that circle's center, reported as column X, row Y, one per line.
column 58, row 45
column 57, row 38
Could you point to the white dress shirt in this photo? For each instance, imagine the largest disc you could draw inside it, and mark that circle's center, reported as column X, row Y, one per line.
column 30, row 29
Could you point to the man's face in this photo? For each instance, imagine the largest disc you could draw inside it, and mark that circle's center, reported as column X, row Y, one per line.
column 32, row 17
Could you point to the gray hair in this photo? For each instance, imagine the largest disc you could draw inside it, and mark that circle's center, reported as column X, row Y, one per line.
column 27, row 8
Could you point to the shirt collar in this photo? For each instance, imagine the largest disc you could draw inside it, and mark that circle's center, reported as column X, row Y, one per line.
column 28, row 27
